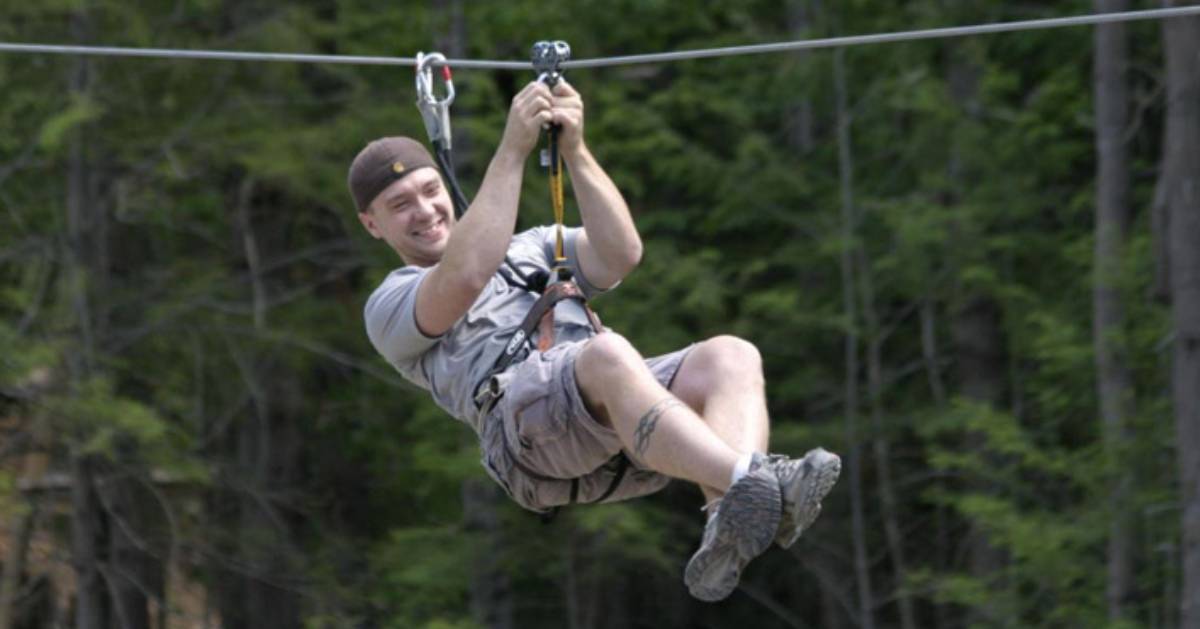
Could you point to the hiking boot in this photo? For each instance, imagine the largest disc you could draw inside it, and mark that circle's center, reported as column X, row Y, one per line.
column 740, row 528
column 802, row 485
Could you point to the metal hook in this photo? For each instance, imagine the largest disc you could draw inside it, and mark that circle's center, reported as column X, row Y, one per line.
column 434, row 111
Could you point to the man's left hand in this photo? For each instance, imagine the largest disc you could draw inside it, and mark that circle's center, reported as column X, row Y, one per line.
column 567, row 112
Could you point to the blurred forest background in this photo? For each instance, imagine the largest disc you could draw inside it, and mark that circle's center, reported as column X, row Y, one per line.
column 972, row 267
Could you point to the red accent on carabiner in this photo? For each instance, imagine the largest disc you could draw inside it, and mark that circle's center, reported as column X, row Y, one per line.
column 446, row 73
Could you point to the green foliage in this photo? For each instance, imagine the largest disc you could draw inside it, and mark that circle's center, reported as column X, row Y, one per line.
column 310, row 463
column 422, row 577
column 9, row 505
column 78, row 113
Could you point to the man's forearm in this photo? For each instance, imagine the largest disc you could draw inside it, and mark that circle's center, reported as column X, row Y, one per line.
column 610, row 228
column 481, row 238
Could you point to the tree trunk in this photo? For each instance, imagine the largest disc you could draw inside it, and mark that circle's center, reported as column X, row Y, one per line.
column 21, row 530
column 1160, row 227
column 975, row 329
column 267, row 461
column 979, row 355
column 133, row 577
column 1114, row 382
column 491, row 598
column 23, row 523
column 267, row 453
column 937, row 389
column 862, row 566
column 1182, row 171
column 800, row 117
column 88, row 535
column 831, row 614
column 929, row 352
column 88, row 524
column 880, row 445
column 111, row 569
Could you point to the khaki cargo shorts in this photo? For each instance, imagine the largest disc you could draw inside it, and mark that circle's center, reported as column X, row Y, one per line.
column 539, row 437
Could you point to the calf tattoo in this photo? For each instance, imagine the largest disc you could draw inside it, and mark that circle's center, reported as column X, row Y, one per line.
column 649, row 421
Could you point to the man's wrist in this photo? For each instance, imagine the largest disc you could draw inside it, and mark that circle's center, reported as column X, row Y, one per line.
column 576, row 154
column 508, row 156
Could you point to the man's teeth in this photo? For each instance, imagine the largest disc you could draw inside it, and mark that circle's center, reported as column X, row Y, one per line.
column 428, row 230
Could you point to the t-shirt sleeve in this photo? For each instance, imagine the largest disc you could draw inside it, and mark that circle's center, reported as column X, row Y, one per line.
column 533, row 250
column 391, row 317
column 570, row 241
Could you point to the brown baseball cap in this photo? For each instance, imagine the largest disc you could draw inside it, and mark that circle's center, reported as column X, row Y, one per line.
column 382, row 162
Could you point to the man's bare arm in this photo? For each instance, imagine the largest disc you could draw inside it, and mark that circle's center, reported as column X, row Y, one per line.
column 480, row 240
column 609, row 247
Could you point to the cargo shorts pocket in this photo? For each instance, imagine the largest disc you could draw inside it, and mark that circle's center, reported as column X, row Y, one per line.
column 533, row 414
column 534, row 423
column 495, row 460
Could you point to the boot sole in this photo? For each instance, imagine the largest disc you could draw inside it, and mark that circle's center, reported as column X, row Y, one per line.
column 807, row 496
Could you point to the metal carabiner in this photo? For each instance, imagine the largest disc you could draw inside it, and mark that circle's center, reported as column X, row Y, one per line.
column 547, row 57
column 435, row 112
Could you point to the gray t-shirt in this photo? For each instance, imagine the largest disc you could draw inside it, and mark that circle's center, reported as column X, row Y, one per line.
column 451, row 365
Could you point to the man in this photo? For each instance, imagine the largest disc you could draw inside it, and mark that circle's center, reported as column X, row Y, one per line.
column 589, row 419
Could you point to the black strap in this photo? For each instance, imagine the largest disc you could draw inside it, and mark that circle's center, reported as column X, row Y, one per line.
column 552, row 295
column 445, row 162
column 534, row 282
column 622, row 467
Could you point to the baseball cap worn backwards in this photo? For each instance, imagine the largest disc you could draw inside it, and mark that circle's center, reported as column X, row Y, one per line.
column 382, row 162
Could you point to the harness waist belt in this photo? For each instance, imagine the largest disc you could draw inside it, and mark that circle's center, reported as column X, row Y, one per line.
column 541, row 314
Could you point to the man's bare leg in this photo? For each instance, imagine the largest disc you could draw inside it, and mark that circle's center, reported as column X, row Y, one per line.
column 651, row 422
column 671, row 438
column 722, row 380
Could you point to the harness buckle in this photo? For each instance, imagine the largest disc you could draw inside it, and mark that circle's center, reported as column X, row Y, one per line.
column 487, row 392
column 434, row 111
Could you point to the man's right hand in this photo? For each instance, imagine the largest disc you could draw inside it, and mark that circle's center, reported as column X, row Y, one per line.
column 530, row 111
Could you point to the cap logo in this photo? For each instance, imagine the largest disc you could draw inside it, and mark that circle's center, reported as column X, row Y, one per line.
column 397, row 167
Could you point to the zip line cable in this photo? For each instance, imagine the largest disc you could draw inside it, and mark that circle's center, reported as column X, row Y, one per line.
column 882, row 38
column 804, row 44
column 229, row 55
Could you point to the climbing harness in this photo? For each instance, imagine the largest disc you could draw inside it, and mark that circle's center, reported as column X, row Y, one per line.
column 560, row 287
column 554, row 288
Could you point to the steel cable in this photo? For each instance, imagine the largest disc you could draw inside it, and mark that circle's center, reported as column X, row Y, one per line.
column 787, row 46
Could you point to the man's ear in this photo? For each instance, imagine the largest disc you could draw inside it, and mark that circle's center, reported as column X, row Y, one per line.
column 368, row 222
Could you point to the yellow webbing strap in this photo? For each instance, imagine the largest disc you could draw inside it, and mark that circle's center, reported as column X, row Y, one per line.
column 556, row 197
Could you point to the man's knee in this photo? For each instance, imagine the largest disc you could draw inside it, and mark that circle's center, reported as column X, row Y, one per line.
column 717, row 363
column 732, row 349
column 606, row 358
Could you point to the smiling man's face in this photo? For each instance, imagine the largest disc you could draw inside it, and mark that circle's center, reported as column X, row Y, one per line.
column 414, row 215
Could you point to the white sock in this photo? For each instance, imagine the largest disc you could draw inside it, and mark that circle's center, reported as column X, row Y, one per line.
column 740, row 469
